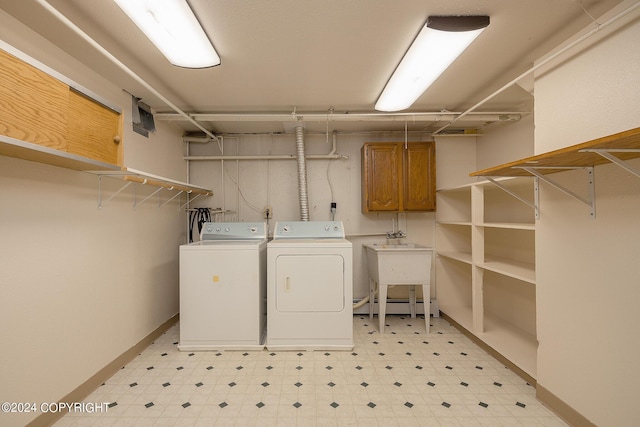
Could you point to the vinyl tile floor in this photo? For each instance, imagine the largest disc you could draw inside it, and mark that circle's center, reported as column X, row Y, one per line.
column 404, row 377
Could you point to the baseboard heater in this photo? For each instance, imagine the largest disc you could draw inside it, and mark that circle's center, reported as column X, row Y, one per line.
column 400, row 306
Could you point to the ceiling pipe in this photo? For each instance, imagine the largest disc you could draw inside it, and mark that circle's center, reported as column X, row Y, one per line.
column 331, row 155
column 543, row 62
column 346, row 117
column 121, row 65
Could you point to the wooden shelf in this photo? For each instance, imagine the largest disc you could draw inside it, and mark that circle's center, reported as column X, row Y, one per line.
column 133, row 175
column 12, row 147
column 573, row 156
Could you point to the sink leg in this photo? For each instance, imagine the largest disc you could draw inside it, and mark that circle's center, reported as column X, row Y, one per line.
column 382, row 305
column 372, row 294
column 412, row 301
column 426, row 297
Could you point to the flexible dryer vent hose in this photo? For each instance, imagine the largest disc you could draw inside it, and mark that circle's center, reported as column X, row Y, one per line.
column 302, row 174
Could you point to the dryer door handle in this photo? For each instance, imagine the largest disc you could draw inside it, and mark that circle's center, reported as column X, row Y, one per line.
column 287, row 283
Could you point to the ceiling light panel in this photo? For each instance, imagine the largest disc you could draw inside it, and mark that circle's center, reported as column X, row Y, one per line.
column 439, row 43
column 174, row 30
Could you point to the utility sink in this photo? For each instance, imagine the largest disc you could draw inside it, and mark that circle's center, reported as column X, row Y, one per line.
column 398, row 264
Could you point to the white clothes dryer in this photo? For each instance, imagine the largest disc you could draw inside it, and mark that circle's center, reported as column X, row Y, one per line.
column 309, row 287
column 223, row 288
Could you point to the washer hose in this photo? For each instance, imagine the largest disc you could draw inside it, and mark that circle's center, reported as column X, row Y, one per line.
column 198, row 217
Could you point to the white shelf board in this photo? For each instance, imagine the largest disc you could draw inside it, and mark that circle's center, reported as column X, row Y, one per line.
column 12, row 147
column 517, row 269
column 457, row 256
column 461, row 223
column 509, row 225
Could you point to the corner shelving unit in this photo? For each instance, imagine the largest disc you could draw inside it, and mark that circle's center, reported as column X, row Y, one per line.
column 485, row 241
column 485, row 266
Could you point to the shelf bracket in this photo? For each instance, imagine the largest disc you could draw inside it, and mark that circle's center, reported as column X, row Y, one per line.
column 171, row 198
column 135, row 204
column 101, row 204
column 606, row 153
column 535, row 205
column 189, row 200
column 590, row 202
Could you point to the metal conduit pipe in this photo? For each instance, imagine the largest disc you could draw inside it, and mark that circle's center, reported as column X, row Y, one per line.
column 413, row 117
column 302, row 174
column 331, row 155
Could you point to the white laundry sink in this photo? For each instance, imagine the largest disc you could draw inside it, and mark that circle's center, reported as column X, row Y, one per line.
column 400, row 263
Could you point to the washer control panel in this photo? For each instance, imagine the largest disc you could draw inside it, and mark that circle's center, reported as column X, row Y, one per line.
column 309, row 230
column 233, row 231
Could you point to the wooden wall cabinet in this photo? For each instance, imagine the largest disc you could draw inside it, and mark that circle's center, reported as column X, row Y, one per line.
column 47, row 118
column 398, row 177
column 38, row 108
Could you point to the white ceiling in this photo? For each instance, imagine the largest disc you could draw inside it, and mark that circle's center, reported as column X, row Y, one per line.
column 330, row 57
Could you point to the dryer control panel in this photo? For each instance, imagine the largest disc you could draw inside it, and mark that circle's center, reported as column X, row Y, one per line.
column 309, row 230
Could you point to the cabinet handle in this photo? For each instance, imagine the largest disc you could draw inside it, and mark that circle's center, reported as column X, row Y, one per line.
column 116, row 139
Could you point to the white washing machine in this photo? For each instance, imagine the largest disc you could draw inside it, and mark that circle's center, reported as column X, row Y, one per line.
column 223, row 288
column 309, row 287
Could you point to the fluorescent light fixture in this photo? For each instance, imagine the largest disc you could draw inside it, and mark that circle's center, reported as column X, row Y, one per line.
column 440, row 42
column 174, row 29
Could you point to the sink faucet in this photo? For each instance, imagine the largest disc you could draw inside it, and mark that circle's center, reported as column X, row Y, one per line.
column 396, row 234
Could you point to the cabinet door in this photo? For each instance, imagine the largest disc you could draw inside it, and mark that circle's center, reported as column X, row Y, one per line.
column 419, row 177
column 40, row 109
column 33, row 105
column 94, row 130
column 381, row 177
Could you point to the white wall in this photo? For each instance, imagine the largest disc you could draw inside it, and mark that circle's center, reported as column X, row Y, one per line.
column 80, row 285
column 275, row 183
column 505, row 142
column 455, row 159
column 587, row 270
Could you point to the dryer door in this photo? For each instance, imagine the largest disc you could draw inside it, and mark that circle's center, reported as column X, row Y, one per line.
column 308, row 283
